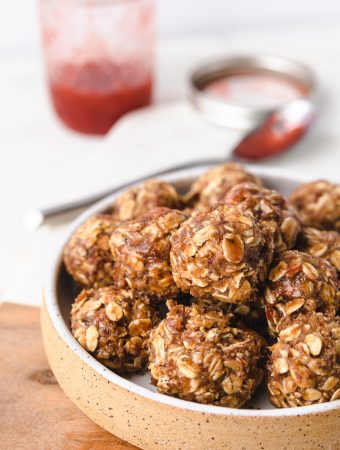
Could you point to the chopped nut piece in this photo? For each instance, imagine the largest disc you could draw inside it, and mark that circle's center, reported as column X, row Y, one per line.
column 226, row 265
column 270, row 208
column 141, row 199
column 318, row 204
column 104, row 330
column 141, row 250
column 305, row 378
column 221, row 365
column 212, row 186
column 87, row 255
column 298, row 283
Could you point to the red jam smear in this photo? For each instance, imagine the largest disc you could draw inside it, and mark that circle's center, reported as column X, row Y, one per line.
column 91, row 97
column 273, row 138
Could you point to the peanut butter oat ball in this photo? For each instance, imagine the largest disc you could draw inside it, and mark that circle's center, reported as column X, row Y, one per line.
column 325, row 244
column 141, row 199
column 251, row 314
column 318, row 204
column 114, row 325
column 213, row 185
column 299, row 283
column 141, row 250
column 87, row 254
column 222, row 253
column 304, row 367
column 270, row 208
column 195, row 355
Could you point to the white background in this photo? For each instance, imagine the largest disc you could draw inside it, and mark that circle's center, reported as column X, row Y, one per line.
column 18, row 28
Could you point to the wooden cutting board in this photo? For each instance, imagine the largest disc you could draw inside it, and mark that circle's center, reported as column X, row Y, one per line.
column 34, row 411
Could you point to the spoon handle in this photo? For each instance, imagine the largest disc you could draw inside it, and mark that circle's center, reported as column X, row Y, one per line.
column 40, row 215
column 278, row 132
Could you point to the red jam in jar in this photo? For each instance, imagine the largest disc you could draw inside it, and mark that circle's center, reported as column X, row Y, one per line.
column 91, row 97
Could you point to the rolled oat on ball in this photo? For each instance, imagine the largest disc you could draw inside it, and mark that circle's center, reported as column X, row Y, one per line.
column 324, row 244
column 87, row 254
column 250, row 314
column 196, row 355
column 299, row 283
column 270, row 208
column 114, row 325
column 304, row 367
column 221, row 253
column 141, row 199
column 141, row 251
column 213, row 185
column 318, row 204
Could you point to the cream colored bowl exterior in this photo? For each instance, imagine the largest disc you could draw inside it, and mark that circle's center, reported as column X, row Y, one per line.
column 152, row 421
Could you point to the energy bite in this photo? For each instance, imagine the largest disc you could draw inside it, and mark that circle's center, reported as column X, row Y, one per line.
column 304, row 367
column 213, row 185
column 221, row 253
column 141, row 251
column 141, row 199
column 299, row 283
column 325, row 244
column 318, row 204
column 250, row 314
column 114, row 325
column 270, row 208
column 197, row 356
column 87, row 254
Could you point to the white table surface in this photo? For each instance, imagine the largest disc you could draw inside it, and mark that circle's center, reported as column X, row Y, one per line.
column 42, row 163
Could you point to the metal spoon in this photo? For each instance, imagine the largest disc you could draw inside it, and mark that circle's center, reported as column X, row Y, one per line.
column 279, row 131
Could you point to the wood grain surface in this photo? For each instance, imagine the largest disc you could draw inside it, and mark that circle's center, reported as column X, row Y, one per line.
column 34, row 411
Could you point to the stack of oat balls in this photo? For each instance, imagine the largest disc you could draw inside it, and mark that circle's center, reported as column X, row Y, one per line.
column 215, row 290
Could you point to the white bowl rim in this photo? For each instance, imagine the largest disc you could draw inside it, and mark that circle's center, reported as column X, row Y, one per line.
column 55, row 315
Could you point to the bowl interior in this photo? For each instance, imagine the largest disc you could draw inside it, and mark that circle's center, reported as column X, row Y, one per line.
column 63, row 291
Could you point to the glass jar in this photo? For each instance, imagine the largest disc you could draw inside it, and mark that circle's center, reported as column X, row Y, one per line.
column 99, row 59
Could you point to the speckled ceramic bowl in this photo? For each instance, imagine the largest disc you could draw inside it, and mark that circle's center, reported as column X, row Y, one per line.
column 131, row 409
